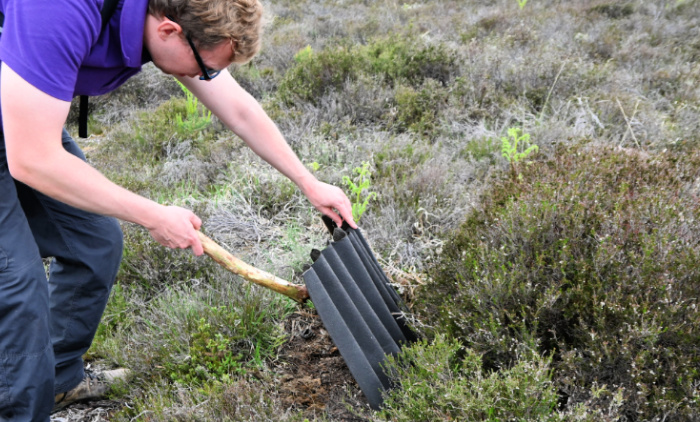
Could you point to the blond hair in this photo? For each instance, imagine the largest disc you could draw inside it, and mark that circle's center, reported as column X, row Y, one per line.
column 210, row 22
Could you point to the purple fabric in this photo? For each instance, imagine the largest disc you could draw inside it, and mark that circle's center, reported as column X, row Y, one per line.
column 59, row 46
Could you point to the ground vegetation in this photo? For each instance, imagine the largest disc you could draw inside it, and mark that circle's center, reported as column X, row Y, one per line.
column 555, row 283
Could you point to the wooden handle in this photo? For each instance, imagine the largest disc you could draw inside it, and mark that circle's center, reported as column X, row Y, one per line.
column 250, row 273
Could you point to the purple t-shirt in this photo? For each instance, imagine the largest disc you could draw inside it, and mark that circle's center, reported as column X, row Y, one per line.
column 59, row 45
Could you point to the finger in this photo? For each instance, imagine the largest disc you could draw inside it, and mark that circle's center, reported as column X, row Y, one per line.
column 345, row 211
column 193, row 241
column 347, row 216
column 196, row 222
column 197, row 248
column 333, row 215
column 351, row 222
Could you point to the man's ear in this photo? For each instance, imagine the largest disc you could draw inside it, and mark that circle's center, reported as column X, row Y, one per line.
column 167, row 28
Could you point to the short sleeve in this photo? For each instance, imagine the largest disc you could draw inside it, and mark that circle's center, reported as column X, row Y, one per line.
column 45, row 41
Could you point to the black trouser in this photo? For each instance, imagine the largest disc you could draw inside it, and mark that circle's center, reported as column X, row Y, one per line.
column 46, row 327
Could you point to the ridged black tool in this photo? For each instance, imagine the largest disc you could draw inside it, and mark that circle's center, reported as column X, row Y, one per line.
column 358, row 306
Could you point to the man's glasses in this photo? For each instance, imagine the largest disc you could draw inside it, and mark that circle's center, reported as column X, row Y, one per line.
column 207, row 73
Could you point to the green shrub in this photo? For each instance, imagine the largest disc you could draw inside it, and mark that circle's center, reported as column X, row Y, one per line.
column 417, row 110
column 171, row 145
column 394, row 60
column 316, row 73
column 442, row 382
column 209, row 355
column 614, row 10
column 481, row 149
column 515, row 148
column 173, row 121
column 206, row 332
column 196, row 117
column 359, row 189
column 592, row 256
column 152, row 132
column 409, row 59
column 119, row 313
column 396, row 176
column 218, row 343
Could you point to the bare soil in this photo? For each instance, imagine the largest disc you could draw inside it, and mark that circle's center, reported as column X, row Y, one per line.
column 310, row 374
column 315, row 378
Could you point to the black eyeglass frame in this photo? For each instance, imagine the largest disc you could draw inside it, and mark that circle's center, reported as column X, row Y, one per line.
column 207, row 72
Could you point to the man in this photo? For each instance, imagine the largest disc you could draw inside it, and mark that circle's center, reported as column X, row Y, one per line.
column 54, row 204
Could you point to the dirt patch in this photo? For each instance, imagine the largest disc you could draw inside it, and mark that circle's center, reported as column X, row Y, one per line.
column 314, row 377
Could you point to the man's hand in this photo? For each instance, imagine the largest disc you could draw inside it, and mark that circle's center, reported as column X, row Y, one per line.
column 331, row 201
column 177, row 228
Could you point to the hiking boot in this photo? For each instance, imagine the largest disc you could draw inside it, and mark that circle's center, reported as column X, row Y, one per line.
column 93, row 386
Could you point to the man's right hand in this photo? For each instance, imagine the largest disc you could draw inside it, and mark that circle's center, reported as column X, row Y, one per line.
column 177, row 227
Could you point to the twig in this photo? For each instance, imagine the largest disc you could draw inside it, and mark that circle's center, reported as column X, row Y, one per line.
column 629, row 126
column 141, row 414
column 549, row 94
column 595, row 118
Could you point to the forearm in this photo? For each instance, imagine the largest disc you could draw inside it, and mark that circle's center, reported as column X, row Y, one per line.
column 241, row 113
column 67, row 178
column 265, row 139
column 238, row 110
column 33, row 123
column 35, row 156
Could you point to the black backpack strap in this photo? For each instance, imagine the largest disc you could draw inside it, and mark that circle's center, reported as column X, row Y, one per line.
column 83, row 117
column 108, row 8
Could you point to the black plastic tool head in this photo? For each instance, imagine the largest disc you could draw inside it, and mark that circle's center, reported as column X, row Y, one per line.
column 358, row 306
